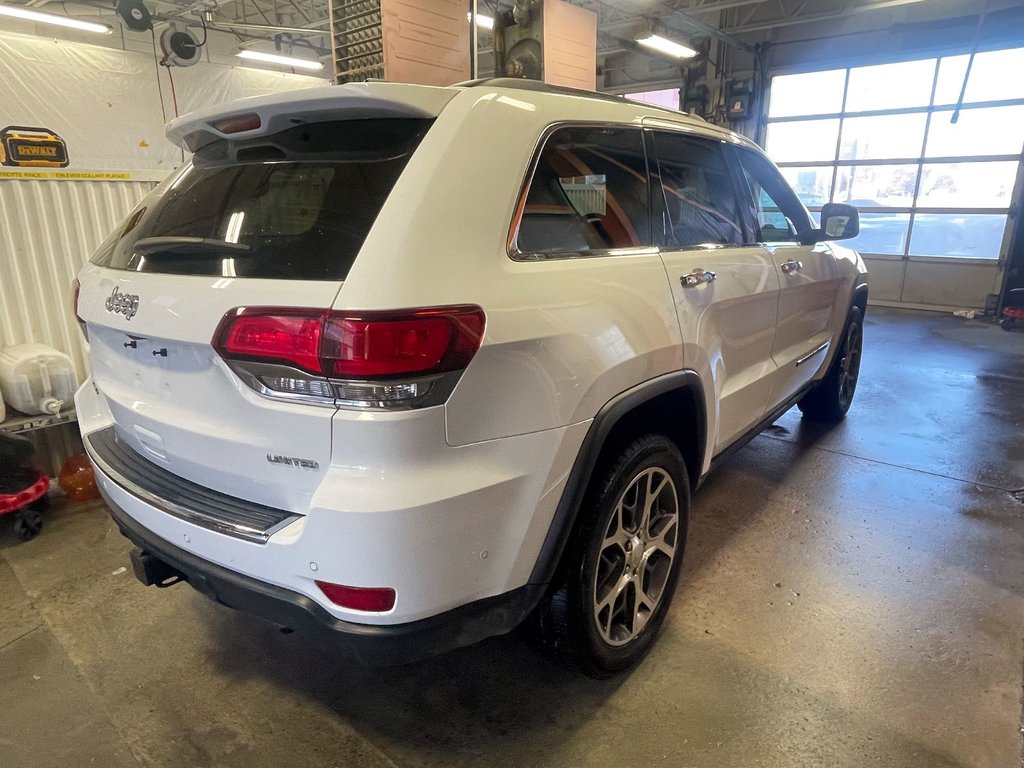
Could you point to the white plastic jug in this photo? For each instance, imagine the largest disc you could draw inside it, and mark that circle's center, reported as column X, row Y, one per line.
column 35, row 378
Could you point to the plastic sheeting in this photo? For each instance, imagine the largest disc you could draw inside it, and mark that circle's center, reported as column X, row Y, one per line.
column 47, row 231
column 106, row 103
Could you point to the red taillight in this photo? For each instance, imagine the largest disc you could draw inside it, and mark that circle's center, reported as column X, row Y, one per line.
column 373, row 599
column 374, row 345
column 354, row 345
column 274, row 336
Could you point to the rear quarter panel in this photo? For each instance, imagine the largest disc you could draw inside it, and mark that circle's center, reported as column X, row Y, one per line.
column 563, row 336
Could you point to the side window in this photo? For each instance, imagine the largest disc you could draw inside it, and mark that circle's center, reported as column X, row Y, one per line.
column 588, row 193
column 698, row 204
column 781, row 216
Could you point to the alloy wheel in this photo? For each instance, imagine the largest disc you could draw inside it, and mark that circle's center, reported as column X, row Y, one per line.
column 850, row 364
column 636, row 556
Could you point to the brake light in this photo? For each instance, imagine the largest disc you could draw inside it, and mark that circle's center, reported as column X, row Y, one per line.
column 283, row 337
column 373, row 599
column 380, row 345
column 375, row 359
column 238, row 123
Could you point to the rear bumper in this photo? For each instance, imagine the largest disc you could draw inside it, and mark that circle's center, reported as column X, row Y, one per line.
column 388, row 644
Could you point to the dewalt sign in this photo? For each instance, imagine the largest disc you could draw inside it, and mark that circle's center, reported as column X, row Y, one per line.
column 24, row 147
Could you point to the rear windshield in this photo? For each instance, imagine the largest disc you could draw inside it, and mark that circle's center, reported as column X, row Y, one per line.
column 295, row 205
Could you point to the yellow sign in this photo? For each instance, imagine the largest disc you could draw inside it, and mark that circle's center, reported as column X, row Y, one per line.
column 22, row 146
column 69, row 175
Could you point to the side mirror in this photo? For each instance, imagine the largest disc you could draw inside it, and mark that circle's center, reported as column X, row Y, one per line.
column 839, row 221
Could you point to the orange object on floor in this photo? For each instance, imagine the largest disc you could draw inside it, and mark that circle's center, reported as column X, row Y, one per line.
column 77, row 480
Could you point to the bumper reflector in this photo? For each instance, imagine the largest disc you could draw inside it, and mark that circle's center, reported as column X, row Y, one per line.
column 372, row 599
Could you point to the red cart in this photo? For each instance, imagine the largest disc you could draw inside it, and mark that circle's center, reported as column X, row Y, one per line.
column 23, row 491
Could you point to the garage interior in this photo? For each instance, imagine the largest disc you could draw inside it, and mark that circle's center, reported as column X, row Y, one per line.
column 850, row 596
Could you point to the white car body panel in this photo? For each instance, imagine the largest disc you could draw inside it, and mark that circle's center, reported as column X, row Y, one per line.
column 446, row 504
column 729, row 328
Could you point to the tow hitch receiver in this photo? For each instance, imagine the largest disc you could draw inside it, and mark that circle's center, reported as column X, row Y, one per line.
column 152, row 571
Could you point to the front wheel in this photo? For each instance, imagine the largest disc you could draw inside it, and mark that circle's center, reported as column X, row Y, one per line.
column 832, row 396
column 624, row 562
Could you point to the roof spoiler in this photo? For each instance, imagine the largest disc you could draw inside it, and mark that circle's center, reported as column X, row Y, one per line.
column 265, row 115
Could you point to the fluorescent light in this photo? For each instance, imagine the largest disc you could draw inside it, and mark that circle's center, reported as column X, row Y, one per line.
column 666, row 46
column 484, row 22
column 273, row 58
column 18, row 12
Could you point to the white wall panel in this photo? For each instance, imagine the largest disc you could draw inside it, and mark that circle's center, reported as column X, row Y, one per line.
column 106, row 104
column 48, row 229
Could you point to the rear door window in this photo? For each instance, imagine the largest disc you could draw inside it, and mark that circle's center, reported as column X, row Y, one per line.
column 588, row 194
column 696, row 203
column 294, row 205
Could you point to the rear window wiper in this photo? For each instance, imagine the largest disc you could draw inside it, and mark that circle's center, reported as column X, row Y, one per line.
column 190, row 246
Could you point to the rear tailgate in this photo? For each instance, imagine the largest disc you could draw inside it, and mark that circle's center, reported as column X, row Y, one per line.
column 272, row 216
column 175, row 401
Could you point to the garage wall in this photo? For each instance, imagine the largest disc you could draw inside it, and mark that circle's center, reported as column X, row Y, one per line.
column 106, row 104
column 47, row 231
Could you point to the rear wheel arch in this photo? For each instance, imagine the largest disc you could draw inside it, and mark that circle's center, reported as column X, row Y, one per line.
column 672, row 405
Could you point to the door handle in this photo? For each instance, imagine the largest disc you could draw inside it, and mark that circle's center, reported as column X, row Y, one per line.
column 791, row 266
column 697, row 277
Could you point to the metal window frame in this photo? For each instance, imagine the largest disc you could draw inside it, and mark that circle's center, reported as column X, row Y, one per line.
column 512, row 242
column 930, row 110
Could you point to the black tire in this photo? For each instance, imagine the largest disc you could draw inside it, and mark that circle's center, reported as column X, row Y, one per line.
column 831, row 397
column 593, row 568
column 27, row 523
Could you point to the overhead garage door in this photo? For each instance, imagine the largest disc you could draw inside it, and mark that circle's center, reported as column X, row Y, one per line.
column 934, row 195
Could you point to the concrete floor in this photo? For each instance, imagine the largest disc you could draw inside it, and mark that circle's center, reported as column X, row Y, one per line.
column 850, row 598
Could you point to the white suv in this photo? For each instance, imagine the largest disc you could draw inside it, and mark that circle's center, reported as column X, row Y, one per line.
column 415, row 363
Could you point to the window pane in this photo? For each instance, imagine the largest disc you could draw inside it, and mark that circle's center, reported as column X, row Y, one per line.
column 299, row 208
column 991, row 131
column 967, row 185
column 882, row 138
column 699, row 197
column 876, row 186
column 803, row 140
column 780, row 215
column 812, row 185
column 990, row 77
column 809, row 93
column 882, row 233
column 891, row 86
column 589, row 192
column 975, row 235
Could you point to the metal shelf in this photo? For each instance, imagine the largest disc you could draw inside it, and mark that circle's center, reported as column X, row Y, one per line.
column 17, row 422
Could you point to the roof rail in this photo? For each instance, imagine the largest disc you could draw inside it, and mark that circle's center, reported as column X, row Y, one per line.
column 541, row 87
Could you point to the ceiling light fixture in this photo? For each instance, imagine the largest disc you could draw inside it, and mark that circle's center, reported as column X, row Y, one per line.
column 484, row 22
column 666, row 46
column 17, row 12
column 285, row 61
